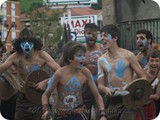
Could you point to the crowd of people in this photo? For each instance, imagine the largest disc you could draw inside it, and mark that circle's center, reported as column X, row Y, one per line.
column 88, row 80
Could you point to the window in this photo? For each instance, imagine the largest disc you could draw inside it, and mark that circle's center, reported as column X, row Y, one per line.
column 13, row 13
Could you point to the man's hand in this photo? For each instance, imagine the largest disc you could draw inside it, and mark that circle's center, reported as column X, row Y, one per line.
column 94, row 57
column 42, row 85
column 108, row 92
column 44, row 116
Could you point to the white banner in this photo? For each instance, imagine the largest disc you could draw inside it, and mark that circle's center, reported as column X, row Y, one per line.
column 78, row 22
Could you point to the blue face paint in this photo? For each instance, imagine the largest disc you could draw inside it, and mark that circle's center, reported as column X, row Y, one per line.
column 87, row 38
column 121, row 67
column 27, row 47
column 80, row 57
column 109, row 37
column 145, row 43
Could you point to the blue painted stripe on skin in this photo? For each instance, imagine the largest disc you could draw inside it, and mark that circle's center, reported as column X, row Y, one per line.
column 93, row 82
column 50, row 82
column 107, row 65
column 95, row 77
column 34, row 67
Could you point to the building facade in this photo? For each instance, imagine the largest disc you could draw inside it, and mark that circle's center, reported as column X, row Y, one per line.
column 131, row 16
column 9, row 22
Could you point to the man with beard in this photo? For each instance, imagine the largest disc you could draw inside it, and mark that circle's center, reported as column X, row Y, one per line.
column 144, row 43
column 93, row 52
column 27, row 58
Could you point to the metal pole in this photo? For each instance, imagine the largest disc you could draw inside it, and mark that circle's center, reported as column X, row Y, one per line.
column 69, row 16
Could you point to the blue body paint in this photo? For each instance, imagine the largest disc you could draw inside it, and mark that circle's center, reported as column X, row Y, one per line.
column 73, row 85
column 72, row 90
column 121, row 67
column 93, row 82
column 33, row 68
column 94, row 53
column 107, row 65
column 50, row 82
column 143, row 62
column 95, row 77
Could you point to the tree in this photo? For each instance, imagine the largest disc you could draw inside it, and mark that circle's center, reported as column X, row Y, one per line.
column 45, row 24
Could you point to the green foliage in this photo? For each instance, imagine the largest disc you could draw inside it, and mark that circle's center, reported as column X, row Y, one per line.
column 35, row 6
column 25, row 4
column 44, row 25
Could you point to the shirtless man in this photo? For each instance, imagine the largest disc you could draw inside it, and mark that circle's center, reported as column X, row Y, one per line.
column 27, row 58
column 69, row 81
column 115, row 72
column 144, row 43
column 93, row 52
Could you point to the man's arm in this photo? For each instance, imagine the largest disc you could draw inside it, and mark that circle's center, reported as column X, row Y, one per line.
column 95, row 93
column 8, row 63
column 102, row 76
column 50, row 61
column 136, row 66
column 52, row 64
column 47, row 93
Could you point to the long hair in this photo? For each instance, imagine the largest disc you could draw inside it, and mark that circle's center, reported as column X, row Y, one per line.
column 28, row 35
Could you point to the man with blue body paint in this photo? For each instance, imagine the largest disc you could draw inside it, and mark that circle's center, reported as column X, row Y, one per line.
column 115, row 72
column 144, row 44
column 93, row 52
column 69, row 81
column 27, row 58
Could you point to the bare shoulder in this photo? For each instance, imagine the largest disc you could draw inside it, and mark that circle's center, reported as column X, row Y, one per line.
column 15, row 56
column 42, row 53
column 127, row 53
column 86, row 71
column 59, row 72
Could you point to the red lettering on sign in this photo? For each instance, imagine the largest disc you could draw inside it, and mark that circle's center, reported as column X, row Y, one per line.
column 84, row 22
column 77, row 24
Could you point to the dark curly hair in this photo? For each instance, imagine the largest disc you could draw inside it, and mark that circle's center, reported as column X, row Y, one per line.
column 147, row 33
column 113, row 30
column 28, row 35
column 92, row 26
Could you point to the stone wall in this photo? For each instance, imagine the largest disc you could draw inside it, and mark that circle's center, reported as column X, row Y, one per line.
column 115, row 11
